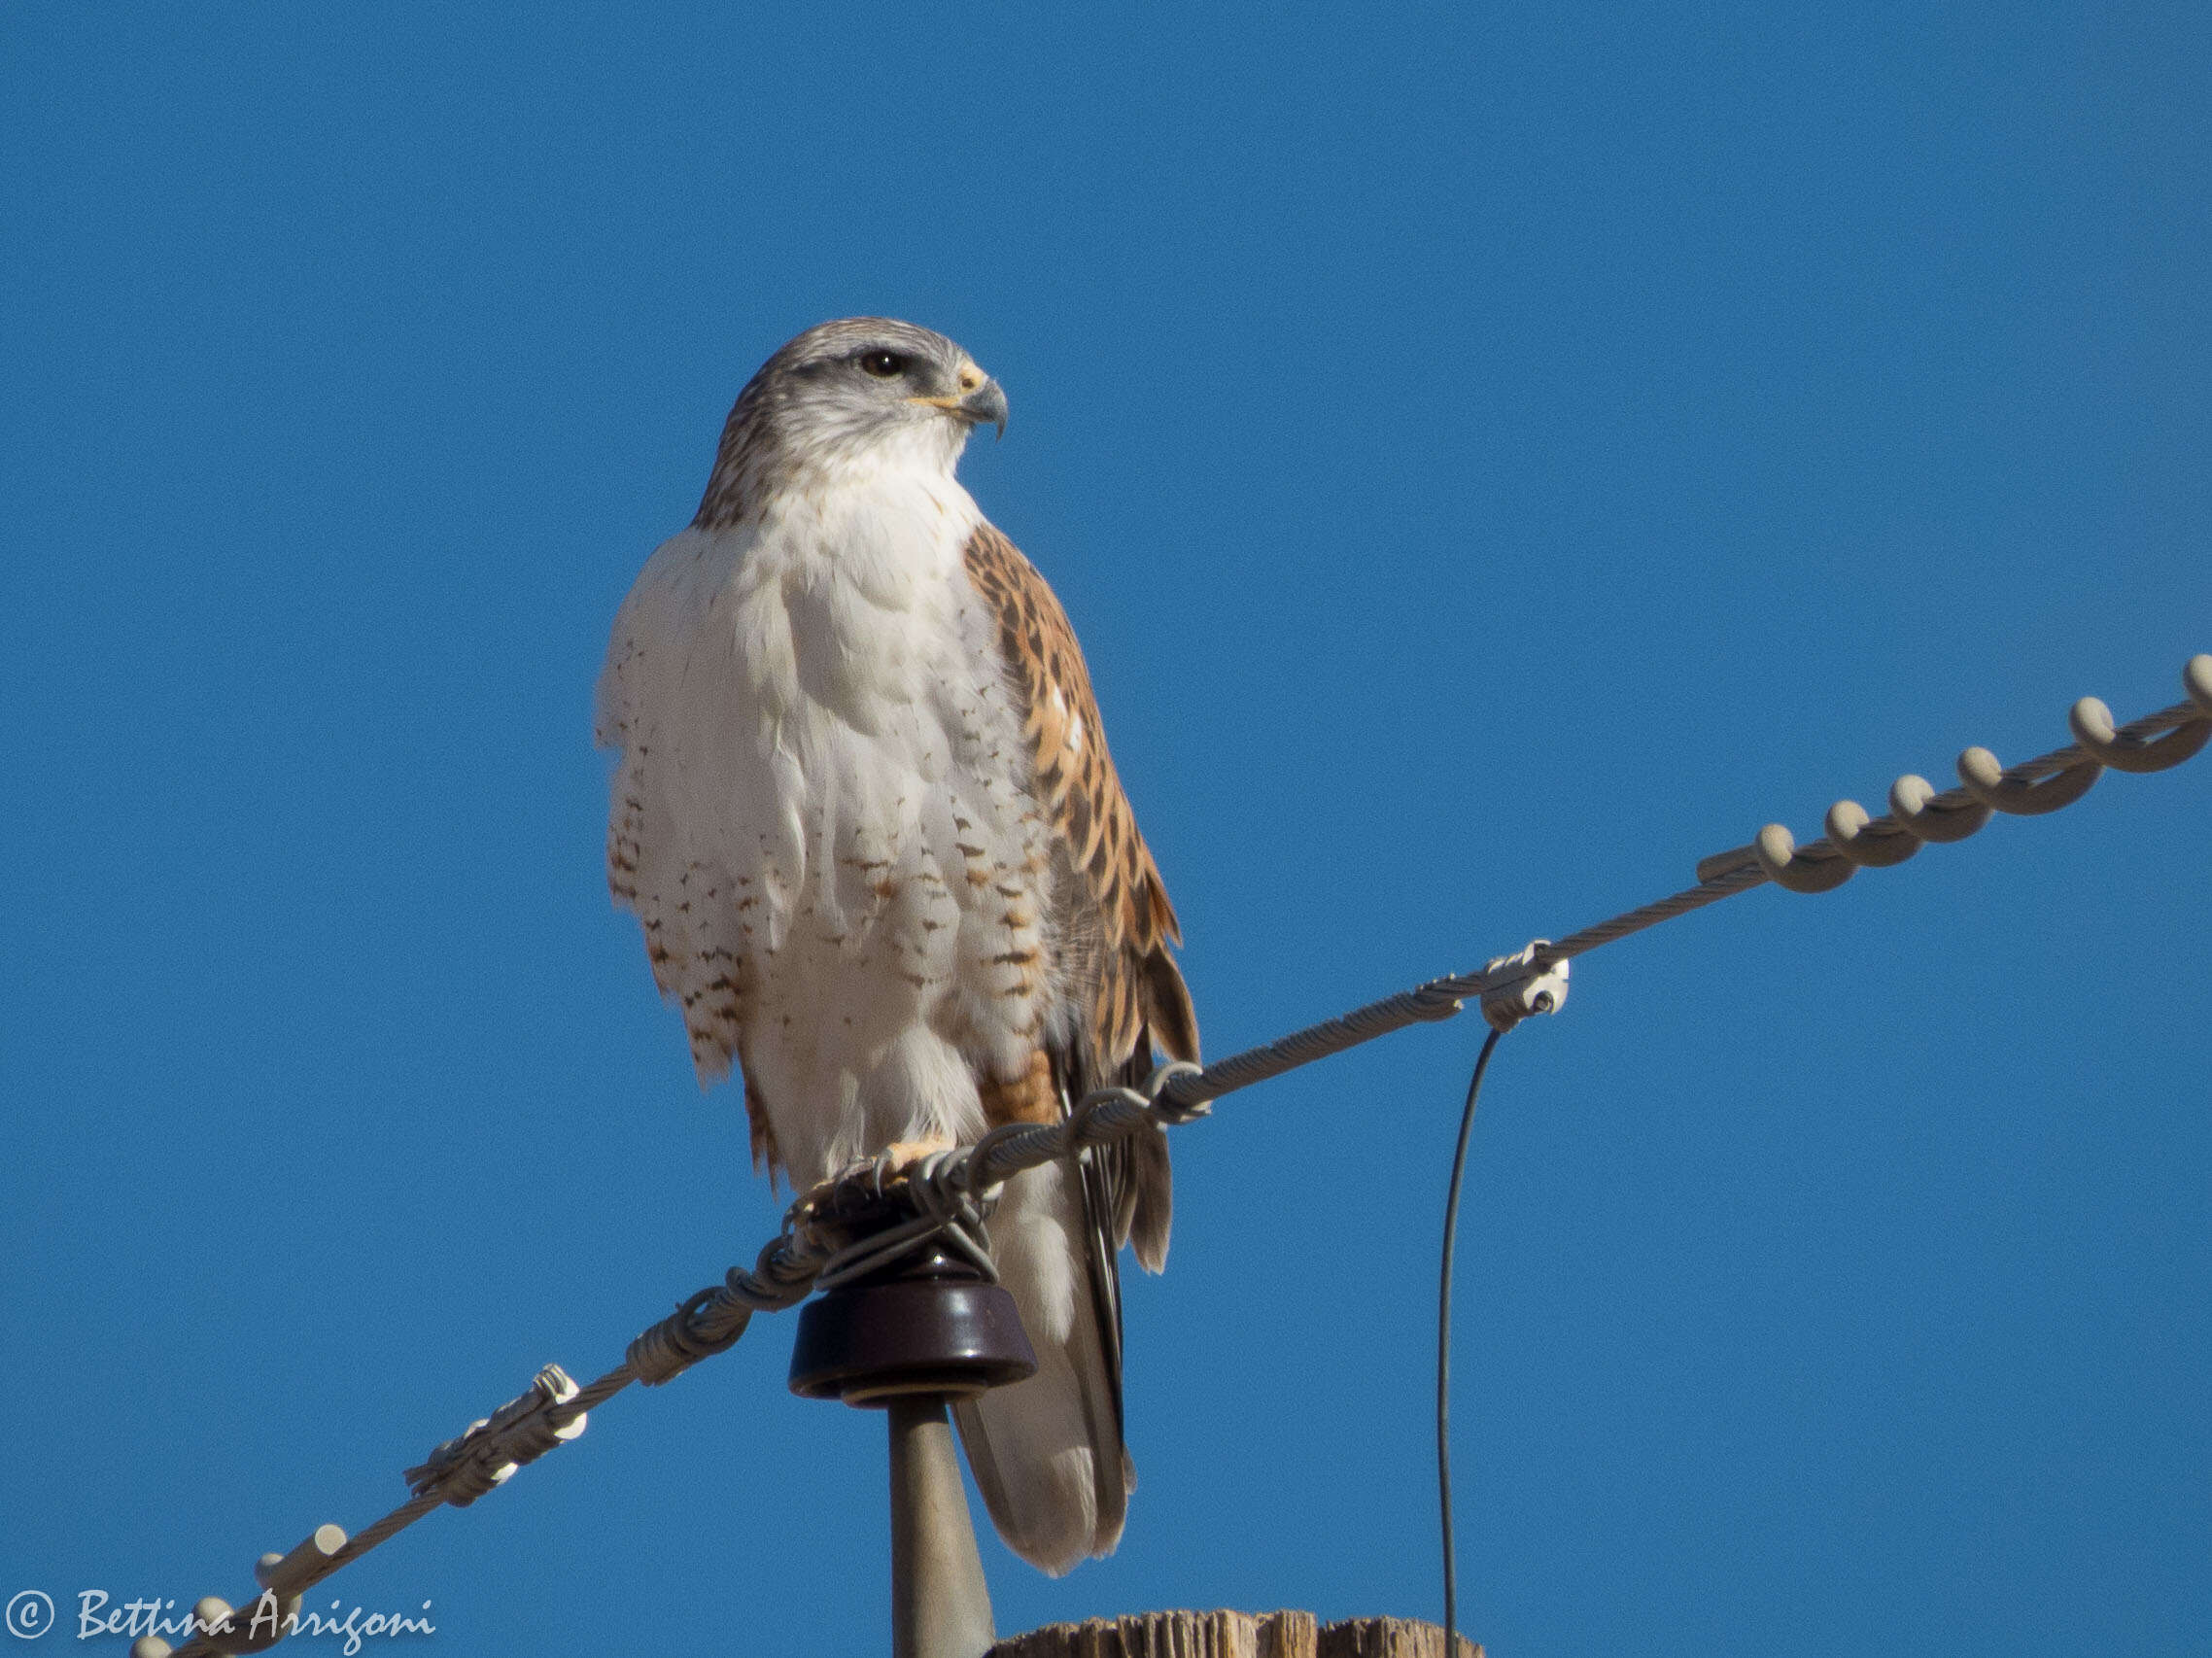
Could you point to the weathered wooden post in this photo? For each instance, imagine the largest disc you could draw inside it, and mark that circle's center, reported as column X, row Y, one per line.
column 1234, row 1634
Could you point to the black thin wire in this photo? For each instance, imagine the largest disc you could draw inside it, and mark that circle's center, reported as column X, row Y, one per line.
column 1444, row 1347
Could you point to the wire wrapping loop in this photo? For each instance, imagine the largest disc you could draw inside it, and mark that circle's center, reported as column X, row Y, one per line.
column 1922, row 812
column 2092, row 722
column 1982, row 778
column 672, row 1346
column 1165, row 1106
column 1871, row 842
column 1817, row 869
column 711, row 1321
column 1105, row 1116
column 946, row 1217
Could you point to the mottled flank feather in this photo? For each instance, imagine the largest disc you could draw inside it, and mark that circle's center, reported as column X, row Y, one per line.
column 697, row 916
column 1135, row 987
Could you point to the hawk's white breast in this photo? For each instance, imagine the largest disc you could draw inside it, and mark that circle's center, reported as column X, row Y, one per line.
column 823, row 814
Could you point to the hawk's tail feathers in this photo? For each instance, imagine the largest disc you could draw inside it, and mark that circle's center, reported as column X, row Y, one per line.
column 1047, row 1453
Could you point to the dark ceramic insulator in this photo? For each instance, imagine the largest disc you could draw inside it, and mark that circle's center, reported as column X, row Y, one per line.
column 929, row 1325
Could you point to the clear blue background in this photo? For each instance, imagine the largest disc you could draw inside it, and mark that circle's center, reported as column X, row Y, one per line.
column 1495, row 456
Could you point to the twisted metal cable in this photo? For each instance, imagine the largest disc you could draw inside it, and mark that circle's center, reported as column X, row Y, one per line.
column 950, row 1193
column 1918, row 814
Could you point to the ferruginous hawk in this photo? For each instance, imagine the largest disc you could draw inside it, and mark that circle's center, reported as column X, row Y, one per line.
column 865, row 812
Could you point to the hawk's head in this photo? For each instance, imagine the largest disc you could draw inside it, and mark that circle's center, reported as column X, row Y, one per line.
column 861, row 390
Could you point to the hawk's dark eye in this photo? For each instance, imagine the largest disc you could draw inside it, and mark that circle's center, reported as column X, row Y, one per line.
column 883, row 364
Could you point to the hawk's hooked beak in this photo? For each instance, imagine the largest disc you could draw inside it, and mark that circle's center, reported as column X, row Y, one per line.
column 980, row 401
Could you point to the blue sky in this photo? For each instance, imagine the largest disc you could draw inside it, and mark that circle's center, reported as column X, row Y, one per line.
column 1494, row 456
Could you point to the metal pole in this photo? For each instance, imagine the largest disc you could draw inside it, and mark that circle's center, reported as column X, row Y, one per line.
column 940, row 1606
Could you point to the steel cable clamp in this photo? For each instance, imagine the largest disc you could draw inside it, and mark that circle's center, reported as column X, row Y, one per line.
column 488, row 1453
column 1536, row 984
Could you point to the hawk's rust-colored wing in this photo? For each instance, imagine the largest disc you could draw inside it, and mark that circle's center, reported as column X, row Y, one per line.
column 1120, row 917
